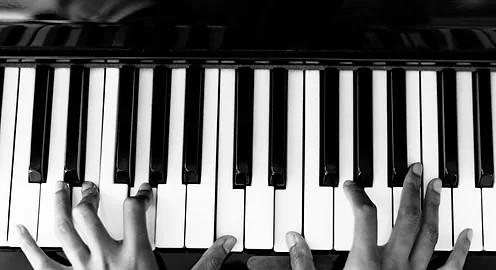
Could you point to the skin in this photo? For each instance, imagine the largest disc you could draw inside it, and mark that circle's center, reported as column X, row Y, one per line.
column 412, row 240
column 99, row 250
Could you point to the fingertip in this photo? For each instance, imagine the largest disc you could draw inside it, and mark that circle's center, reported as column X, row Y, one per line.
column 229, row 243
column 470, row 233
column 145, row 186
column 58, row 186
column 417, row 169
column 290, row 239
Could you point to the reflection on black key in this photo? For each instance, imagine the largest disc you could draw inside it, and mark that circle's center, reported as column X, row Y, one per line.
column 278, row 127
column 126, row 125
column 483, row 132
column 244, row 127
column 397, row 150
column 159, row 145
column 77, row 118
column 329, row 127
column 2, row 75
column 42, row 115
column 448, row 138
column 363, row 127
column 193, row 125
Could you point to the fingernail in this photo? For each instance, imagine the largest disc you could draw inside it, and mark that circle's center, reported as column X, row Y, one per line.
column 20, row 228
column 470, row 233
column 59, row 185
column 437, row 185
column 229, row 244
column 417, row 169
column 290, row 239
column 87, row 185
column 348, row 183
column 145, row 186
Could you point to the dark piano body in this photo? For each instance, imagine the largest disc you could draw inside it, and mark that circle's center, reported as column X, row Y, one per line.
column 368, row 46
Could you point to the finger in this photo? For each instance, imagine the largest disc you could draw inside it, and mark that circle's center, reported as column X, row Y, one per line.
column 214, row 257
column 36, row 257
column 70, row 241
column 299, row 252
column 365, row 212
column 135, row 228
column 87, row 220
column 427, row 238
column 409, row 214
column 457, row 257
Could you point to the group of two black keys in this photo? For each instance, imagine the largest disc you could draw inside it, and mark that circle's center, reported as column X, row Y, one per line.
column 193, row 118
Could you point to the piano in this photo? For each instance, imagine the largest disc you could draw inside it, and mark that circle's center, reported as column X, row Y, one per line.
column 246, row 133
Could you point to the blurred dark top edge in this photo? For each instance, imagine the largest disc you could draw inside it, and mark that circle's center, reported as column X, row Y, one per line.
column 311, row 16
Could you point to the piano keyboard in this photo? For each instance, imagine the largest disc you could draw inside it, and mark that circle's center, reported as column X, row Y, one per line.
column 253, row 153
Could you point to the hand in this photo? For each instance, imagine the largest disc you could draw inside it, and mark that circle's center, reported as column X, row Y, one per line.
column 90, row 10
column 412, row 240
column 99, row 250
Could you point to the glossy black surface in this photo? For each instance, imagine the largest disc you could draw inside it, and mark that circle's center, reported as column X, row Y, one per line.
column 77, row 120
column 41, row 124
column 363, row 140
column 448, row 133
column 243, row 152
column 329, row 127
column 397, row 133
column 159, row 141
column 483, row 129
column 193, row 125
column 278, row 128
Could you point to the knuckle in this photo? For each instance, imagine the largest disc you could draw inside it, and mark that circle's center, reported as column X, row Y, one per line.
column 134, row 203
column 215, row 262
column 414, row 186
column 433, row 201
column 298, row 259
column 412, row 215
column 83, row 209
column 367, row 210
column 64, row 227
column 431, row 232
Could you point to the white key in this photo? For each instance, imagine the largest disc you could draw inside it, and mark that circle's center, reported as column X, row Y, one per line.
column 412, row 79
column 380, row 193
column 489, row 194
column 112, row 195
column 143, row 131
column 230, row 202
column 344, row 221
column 318, row 201
column 200, row 205
column 56, row 159
column 171, row 197
column 288, row 207
column 430, row 155
column 25, row 196
column 96, row 89
column 467, row 212
column 259, row 216
column 7, row 128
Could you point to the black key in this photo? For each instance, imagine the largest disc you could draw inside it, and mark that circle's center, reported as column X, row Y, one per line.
column 244, row 127
column 363, row 127
column 77, row 119
column 397, row 145
column 193, row 125
column 42, row 115
column 483, row 133
column 159, row 145
column 278, row 127
column 2, row 76
column 448, row 138
column 329, row 127
column 126, row 126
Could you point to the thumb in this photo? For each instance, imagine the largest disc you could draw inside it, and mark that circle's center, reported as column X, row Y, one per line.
column 214, row 257
column 301, row 256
